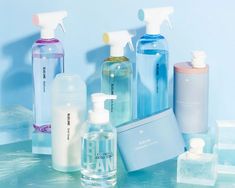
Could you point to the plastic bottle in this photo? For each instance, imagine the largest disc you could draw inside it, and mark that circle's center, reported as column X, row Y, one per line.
column 99, row 146
column 117, row 77
column 68, row 115
column 48, row 61
column 152, row 63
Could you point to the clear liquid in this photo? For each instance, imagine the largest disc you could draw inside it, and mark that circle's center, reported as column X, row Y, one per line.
column 201, row 170
column 99, row 159
column 117, row 80
column 45, row 68
column 152, row 81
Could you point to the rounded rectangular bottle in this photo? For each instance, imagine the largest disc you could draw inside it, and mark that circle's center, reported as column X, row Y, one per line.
column 152, row 74
column 117, row 80
column 48, row 61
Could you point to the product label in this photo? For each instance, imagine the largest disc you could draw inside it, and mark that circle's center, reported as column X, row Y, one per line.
column 99, row 155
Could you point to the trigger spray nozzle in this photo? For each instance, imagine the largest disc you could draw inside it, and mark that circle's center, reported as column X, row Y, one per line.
column 155, row 17
column 117, row 41
column 48, row 22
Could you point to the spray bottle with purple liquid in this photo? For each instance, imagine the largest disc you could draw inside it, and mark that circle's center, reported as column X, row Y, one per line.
column 47, row 62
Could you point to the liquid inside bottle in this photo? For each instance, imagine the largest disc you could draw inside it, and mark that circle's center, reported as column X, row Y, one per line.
column 117, row 76
column 99, row 158
column 152, row 75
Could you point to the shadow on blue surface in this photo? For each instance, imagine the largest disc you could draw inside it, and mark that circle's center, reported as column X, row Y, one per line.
column 16, row 86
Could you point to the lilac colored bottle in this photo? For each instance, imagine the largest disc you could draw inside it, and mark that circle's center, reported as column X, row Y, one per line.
column 48, row 61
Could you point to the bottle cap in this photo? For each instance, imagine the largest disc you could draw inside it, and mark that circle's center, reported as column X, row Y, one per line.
column 198, row 59
column 196, row 145
column 99, row 115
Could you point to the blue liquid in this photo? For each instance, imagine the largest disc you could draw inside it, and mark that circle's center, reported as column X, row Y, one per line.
column 152, row 75
column 117, row 80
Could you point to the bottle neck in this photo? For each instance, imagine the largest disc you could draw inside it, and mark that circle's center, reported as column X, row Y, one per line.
column 116, row 51
column 47, row 33
column 152, row 29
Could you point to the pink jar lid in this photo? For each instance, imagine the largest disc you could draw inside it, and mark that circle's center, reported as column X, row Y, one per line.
column 186, row 67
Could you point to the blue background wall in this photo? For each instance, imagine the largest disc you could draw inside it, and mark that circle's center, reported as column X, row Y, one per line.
column 197, row 24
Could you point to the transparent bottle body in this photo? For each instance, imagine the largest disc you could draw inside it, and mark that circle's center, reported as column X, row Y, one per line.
column 197, row 168
column 117, row 79
column 152, row 75
column 48, row 61
column 99, row 155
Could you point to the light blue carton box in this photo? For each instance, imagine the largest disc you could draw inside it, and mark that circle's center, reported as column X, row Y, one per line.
column 146, row 142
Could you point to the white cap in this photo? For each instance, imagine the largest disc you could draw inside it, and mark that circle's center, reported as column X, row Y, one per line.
column 48, row 22
column 196, row 145
column 117, row 41
column 99, row 115
column 154, row 17
column 198, row 60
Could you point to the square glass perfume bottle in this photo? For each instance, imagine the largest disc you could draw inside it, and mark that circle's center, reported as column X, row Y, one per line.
column 196, row 167
column 225, row 131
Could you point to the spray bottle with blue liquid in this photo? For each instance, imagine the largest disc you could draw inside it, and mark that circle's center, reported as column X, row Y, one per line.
column 152, row 63
column 48, row 61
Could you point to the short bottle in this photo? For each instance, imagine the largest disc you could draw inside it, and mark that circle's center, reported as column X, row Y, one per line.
column 196, row 167
column 99, row 146
column 68, row 115
column 117, row 77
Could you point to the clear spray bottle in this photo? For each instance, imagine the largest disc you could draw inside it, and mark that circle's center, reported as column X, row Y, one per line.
column 48, row 61
column 117, row 77
column 99, row 146
column 152, row 63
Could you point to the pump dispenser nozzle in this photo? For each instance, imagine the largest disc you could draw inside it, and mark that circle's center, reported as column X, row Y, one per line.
column 154, row 17
column 99, row 115
column 49, row 22
column 117, row 41
column 196, row 145
column 198, row 60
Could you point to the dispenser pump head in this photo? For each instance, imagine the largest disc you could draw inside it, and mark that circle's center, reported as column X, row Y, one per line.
column 99, row 115
column 197, row 145
column 117, row 41
column 198, row 60
column 154, row 18
column 49, row 22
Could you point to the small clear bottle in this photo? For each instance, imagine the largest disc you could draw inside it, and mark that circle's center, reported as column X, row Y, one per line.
column 196, row 167
column 99, row 146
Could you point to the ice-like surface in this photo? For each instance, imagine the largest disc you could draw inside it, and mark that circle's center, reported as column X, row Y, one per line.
column 41, row 175
column 15, row 124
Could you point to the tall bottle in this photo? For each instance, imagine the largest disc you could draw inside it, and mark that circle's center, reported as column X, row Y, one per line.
column 152, row 63
column 117, row 77
column 48, row 61
column 99, row 146
column 68, row 115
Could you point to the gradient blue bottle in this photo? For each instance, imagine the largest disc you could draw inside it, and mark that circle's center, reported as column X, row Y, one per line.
column 48, row 61
column 152, row 63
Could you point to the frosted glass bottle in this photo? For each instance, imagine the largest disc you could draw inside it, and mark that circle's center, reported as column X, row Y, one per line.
column 68, row 115
column 117, row 76
column 48, row 61
column 152, row 74
column 196, row 167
